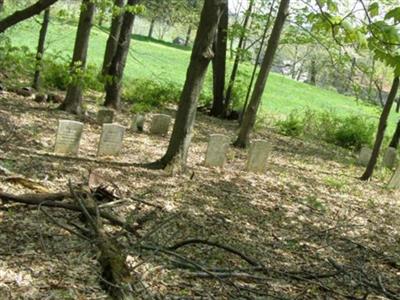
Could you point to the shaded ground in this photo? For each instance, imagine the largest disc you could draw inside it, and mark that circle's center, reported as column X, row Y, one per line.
column 319, row 232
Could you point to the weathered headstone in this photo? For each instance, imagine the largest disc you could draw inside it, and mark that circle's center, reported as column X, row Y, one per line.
column 105, row 116
column 390, row 157
column 364, row 157
column 69, row 135
column 258, row 155
column 394, row 182
column 216, row 150
column 138, row 122
column 160, row 124
column 111, row 139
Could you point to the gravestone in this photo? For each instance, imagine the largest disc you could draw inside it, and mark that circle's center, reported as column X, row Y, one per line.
column 138, row 123
column 394, row 182
column 111, row 139
column 258, row 155
column 160, row 124
column 69, row 135
column 390, row 157
column 364, row 157
column 105, row 116
column 216, row 150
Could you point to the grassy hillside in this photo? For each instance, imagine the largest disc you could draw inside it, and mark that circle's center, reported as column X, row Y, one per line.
column 149, row 59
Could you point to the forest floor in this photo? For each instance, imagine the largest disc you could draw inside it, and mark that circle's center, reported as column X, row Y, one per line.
column 308, row 228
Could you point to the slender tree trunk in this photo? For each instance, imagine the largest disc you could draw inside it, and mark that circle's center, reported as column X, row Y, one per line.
column 40, row 49
column 25, row 13
column 219, row 65
column 188, row 35
column 394, row 143
column 313, row 72
column 250, row 115
column 73, row 99
column 201, row 56
column 238, row 57
column 117, row 67
column 381, row 130
column 151, row 29
column 253, row 74
column 1, row 5
column 113, row 37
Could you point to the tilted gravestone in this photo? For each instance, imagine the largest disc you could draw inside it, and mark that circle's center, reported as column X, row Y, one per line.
column 111, row 139
column 364, row 157
column 390, row 157
column 258, row 155
column 138, row 123
column 216, row 150
column 160, row 124
column 394, row 182
column 105, row 116
column 69, row 135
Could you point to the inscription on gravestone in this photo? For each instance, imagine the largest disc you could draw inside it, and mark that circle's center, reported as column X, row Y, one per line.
column 160, row 124
column 105, row 115
column 68, row 137
column 216, row 150
column 111, row 139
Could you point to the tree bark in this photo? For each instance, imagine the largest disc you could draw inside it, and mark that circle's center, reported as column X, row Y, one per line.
column 238, row 57
column 250, row 115
column 40, row 49
column 73, row 99
column 25, row 13
column 151, row 29
column 116, row 70
column 113, row 37
column 381, row 130
column 394, row 143
column 219, row 65
column 253, row 74
column 188, row 34
column 201, row 56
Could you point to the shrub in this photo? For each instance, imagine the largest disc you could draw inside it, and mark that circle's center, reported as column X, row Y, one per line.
column 293, row 125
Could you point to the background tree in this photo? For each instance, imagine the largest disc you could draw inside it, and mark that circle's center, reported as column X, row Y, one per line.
column 73, row 99
column 116, row 70
column 113, row 37
column 202, row 54
column 40, row 48
column 249, row 117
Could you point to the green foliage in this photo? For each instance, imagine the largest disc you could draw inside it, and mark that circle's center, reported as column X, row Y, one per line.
column 350, row 132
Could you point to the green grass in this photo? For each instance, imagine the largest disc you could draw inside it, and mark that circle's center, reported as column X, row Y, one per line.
column 151, row 59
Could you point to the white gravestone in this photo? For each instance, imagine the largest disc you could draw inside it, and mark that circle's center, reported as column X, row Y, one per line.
column 105, row 116
column 138, row 123
column 160, row 124
column 216, row 150
column 69, row 135
column 365, row 155
column 111, row 139
column 395, row 180
column 390, row 157
column 258, row 155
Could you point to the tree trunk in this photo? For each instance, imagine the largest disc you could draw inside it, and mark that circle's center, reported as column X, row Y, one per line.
column 394, row 143
column 253, row 74
column 73, row 99
column 249, row 117
column 201, row 56
column 381, row 130
column 40, row 49
column 112, row 41
column 25, row 13
column 237, row 59
column 188, row 34
column 151, row 29
column 219, row 65
column 313, row 72
column 117, row 67
column 1, row 5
